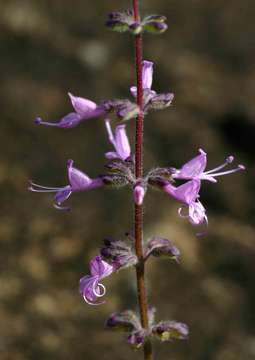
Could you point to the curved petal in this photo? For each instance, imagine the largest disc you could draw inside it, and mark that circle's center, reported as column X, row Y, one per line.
column 82, row 106
column 100, row 268
column 188, row 192
column 147, row 74
column 197, row 213
column 193, row 168
column 78, row 180
column 87, row 284
column 111, row 155
column 62, row 195
column 121, row 142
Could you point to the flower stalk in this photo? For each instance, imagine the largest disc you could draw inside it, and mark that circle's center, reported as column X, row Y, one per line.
column 140, row 267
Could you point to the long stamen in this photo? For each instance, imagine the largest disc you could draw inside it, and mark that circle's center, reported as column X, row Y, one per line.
column 239, row 168
column 41, row 190
column 39, row 121
column 109, row 131
column 228, row 161
column 43, row 187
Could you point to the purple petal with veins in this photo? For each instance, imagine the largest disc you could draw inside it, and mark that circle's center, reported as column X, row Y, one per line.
column 100, row 268
column 62, row 195
column 82, row 106
column 185, row 193
column 119, row 140
column 192, row 168
column 78, row 180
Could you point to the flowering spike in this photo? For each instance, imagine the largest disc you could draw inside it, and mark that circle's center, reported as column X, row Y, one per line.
column 90, row 287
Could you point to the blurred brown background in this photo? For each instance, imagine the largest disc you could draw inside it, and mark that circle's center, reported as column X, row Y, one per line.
column 206, row 58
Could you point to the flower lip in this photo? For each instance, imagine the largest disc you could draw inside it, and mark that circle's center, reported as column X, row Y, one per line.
column 90, row 287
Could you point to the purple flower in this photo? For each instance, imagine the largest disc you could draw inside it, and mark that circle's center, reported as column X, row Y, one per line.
column 78, row 181
column 194, row 169
column 147, row 76
column 84, row 109
column 120, row 142
column 151, row 98
column 188, row 194
column 90, row 287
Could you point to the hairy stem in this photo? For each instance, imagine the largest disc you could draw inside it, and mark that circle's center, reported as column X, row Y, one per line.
column 140, row 269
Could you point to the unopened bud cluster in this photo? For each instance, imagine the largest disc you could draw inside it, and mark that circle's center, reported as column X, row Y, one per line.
column 125, row 22
column 128, row 322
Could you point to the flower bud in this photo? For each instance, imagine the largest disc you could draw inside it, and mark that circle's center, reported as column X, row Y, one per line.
column 118, row 253
column 154, row 24
column 158, row 181
column 155, row 27
column 135, row 28
column 117, row 25
column 127, row 111
column 120, row 21
column 126, row 321
column 115, row 180
column 161, row 101
column 139, row 193
column 171, row 330
column 158, row 246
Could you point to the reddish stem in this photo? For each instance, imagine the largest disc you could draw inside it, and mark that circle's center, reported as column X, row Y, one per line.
column 140, row 269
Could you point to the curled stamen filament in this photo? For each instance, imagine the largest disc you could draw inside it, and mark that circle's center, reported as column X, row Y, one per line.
column 101, row 287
